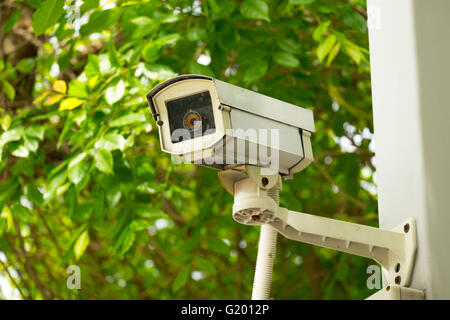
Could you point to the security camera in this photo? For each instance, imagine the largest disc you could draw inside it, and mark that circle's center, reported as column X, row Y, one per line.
column 255, row 140
column 219, row 125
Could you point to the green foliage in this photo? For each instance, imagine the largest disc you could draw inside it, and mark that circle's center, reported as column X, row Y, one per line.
column 47, row 15
column 255, row 9
column 83, row 180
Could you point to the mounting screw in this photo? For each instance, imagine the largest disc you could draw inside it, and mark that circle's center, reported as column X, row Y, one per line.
column 255, row 217
column 398, row 279
column 159, row 123
column 388, row 288
column 264, row 181
column 406, row 228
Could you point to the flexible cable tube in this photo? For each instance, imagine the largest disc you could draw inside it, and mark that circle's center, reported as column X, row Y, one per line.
column 266, row 254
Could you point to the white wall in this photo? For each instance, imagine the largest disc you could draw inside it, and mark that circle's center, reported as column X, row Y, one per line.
column 410, row 62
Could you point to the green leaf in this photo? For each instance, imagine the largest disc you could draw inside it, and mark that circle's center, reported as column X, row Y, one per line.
column 71, row 103
column 255, row 9
column 124, row 241
column 333, row 53
column 343, row 270
column 128, row 241
column 81, row 244
column 112, row 54
column 168, row 39
column 206, row 266
column 227, row 34
column 142, row 21
column 35, row 131
column 8, row 190
column 19, row 151
column 289, row 45
column 354, row 53
column 33, row 3
column 6, row 220
column 147, row 188
column 196, row 34
column 104, row 161
column 138, row 225
column 89, row 5
column 25, row 65
column 83, row 211
column 128, row 119
column 218, row 246
column 115, row 93
column 47, row 15
column 286, row 59
column 31, row 144
column 157, row 71
column 9, row 90
column 100, row 20
column 74, row 239
column 355, row 21
column 5, row 122
column 34, row 195
column 78, row 89
column 111, row 141
column 92, row 68
column 255, row 71
column 214, row 6
column 60, row 86
column 197, row 68
column 76, row 168
column 149, row 212
column 71, row 200
column 21, row 213
column 181, row 278
column 11, row 135
column 3, row 224
column 301, row 2
column 12, row 20
column 320, row 30
column 55, row 182
column 152, row 52
column 99, row 204
column 325, row 47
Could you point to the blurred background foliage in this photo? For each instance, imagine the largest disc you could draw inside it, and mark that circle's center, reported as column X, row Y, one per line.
column 83, row 180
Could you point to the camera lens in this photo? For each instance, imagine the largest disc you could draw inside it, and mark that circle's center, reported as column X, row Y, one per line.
column 192, row 113
column 192, row 120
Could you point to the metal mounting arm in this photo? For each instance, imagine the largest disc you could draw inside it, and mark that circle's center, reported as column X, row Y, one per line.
column 393, row 249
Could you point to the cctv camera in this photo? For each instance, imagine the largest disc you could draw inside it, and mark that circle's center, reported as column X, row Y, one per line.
column 219, row 125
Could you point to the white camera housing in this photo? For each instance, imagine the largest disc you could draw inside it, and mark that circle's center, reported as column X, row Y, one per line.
column 244, row 127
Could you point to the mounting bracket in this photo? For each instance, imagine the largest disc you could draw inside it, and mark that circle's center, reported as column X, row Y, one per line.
column 393, row 249
column 395, row 292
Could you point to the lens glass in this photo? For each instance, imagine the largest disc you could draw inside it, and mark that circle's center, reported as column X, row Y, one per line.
column 191, row 116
